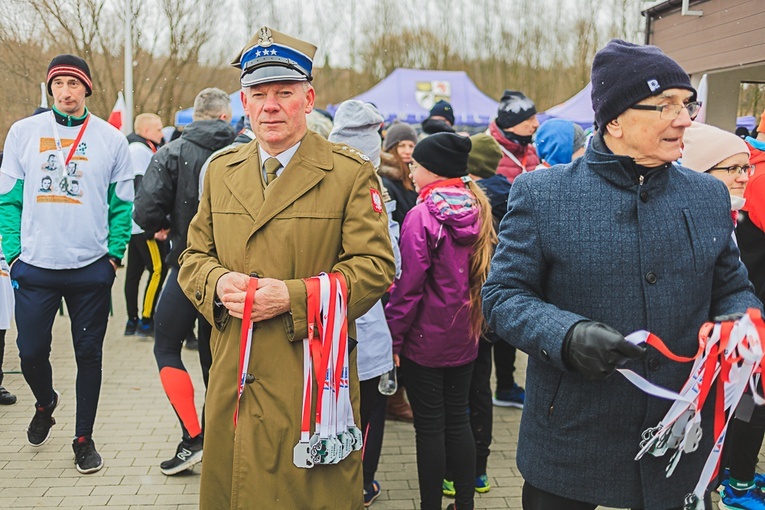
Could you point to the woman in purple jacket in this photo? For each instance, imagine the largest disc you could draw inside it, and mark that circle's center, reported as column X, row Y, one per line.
column 434, row 312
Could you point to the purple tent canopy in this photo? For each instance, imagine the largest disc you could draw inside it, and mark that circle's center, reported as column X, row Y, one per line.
column 409, row 94
column 579, row 109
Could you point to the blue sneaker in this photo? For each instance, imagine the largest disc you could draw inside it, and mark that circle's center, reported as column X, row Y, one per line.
column 753, row 499
column 759, row 480
column 482, row 484
column 371, row 493
column 514, row 397
column 145, row 328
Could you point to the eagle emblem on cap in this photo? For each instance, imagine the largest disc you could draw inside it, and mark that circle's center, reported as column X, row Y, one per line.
column 265, row 38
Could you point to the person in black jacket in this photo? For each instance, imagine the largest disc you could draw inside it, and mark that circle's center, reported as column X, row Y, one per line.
column 170, row 187
column 400, row 139
column 145, row 252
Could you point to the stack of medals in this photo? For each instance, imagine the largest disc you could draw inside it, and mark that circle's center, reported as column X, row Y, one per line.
column 730, row 351
column 326, row 348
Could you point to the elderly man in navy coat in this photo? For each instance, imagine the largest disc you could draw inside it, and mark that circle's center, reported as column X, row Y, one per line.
column 622, row 239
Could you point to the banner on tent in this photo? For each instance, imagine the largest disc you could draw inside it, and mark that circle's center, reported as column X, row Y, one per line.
column 428, row 93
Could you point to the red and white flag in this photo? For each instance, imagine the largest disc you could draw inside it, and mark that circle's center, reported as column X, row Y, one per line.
column 117, row 117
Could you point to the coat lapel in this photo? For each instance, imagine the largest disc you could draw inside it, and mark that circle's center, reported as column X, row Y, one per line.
column 243, row 179
column 304, row 171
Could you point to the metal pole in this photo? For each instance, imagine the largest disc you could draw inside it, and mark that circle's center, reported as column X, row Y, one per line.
column 128, row 121
column 43, row 95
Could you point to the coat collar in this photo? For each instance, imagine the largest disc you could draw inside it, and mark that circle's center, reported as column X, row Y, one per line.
column 304, row 171
column 622, row 171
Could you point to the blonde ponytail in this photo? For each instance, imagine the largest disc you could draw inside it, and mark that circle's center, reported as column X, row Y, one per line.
column 483, row 249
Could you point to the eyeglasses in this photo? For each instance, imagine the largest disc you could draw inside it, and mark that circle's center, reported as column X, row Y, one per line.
column 413, row 167
column 670, row 111
column 735, row 169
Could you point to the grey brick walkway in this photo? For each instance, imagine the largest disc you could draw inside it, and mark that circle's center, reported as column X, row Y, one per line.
column 136, row 429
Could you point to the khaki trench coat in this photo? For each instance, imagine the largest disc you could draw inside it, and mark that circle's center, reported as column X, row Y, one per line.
column 317, row 216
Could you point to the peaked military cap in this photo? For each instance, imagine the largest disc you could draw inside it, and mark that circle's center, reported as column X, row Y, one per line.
column 273, row 56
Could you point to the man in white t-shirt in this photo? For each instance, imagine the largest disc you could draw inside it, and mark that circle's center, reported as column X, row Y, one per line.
column 145, row 251
column 65, row 233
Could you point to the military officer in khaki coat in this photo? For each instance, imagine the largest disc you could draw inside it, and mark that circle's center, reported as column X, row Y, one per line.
column 315, row 210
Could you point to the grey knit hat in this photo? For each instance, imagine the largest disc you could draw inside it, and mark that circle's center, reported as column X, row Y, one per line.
column 398, row 132
column 356, row 125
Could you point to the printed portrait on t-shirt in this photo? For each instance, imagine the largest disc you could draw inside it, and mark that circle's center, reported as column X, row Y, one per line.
column 51, row 165
column 74, row 189
column 46, row 185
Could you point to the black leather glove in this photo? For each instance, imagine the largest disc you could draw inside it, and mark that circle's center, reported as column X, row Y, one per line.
column 596, row 350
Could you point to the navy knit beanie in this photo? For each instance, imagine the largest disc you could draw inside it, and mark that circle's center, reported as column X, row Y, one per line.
column 443, row 109
column 444, row 154
column 623, row 74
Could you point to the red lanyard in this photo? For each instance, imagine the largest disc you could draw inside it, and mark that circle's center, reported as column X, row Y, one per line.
column 73, row 148
column 245, row 342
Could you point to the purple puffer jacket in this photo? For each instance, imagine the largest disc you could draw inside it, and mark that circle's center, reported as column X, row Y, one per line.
column 428, row 309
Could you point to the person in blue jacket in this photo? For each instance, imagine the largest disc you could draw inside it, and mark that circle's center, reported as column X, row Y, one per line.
column 559, row 141
column 620, row 240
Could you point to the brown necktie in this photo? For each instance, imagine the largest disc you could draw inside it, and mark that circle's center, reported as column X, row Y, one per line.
column 272, row 165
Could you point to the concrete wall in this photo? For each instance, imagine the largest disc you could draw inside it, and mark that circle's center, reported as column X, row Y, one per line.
column 729, row 33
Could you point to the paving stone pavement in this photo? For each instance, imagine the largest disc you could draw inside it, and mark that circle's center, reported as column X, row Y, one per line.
column 136, row 429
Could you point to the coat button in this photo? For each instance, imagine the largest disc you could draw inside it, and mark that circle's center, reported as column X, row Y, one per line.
column 651, row 278
column 249, row 378
column 545, row 355
column 644, row 196
column 198, row 295
column 653, row 364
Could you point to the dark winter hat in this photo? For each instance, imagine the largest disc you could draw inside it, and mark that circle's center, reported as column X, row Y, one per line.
column 484, row 157
column 273, row 56
column 70, row 65
column 514, row 108
column 443, row 109
column 444, row 154
column 398, row 132
column 623, row 74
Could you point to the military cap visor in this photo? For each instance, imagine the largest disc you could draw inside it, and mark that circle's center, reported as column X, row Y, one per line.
column 271, row 73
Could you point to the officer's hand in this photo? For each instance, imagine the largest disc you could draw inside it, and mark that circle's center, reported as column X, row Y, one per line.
column 595, row 350
column 271, row 299
column 231, row 289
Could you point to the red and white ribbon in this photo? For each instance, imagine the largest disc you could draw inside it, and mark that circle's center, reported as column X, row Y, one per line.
column 326, row 350
column 730, row 353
